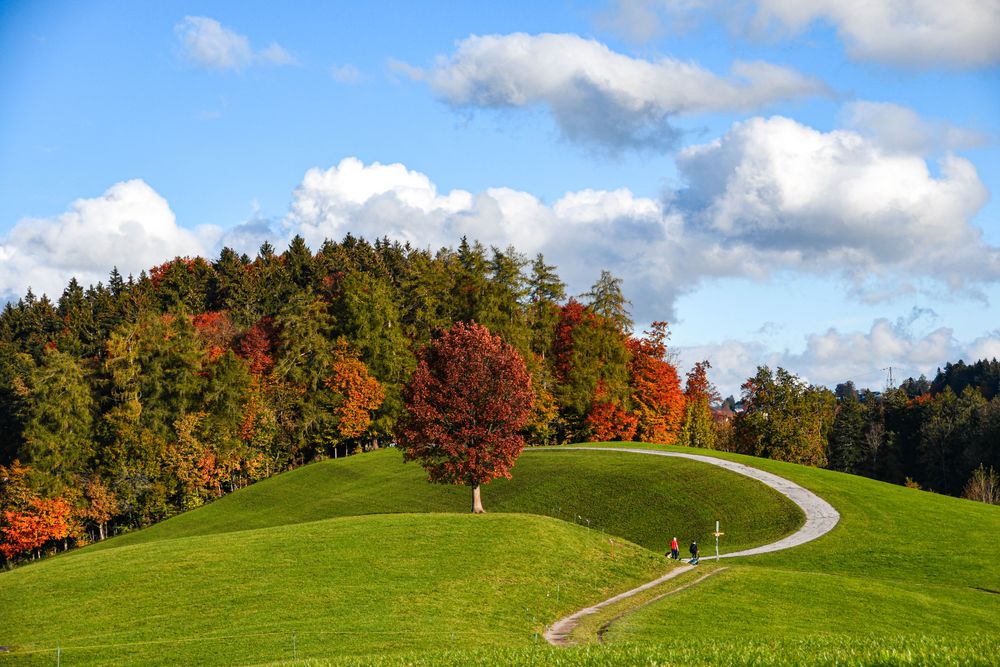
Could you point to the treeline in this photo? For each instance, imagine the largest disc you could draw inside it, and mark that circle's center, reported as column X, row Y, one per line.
column 941, row 435
column 124, row 403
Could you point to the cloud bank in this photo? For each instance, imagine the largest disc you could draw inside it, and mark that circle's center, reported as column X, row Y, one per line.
column 769, row 196
column 837, row 356
column 910, row 33
column 597, row 96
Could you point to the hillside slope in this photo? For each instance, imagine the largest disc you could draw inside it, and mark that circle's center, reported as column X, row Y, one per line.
column 636, row 499
column 348, row 586
column 901, row 563
column 232, row 581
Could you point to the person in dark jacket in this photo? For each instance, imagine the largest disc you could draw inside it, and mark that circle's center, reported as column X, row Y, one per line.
column 694, row 553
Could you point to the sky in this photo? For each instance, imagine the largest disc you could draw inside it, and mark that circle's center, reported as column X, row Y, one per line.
column 799, row 183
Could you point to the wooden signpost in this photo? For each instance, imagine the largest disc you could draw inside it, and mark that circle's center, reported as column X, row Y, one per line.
column 717, row 536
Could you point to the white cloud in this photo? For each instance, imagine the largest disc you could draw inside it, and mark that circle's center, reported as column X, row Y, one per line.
column 598, row 96
column 770, row 196
column 777, row 194
column 902, row 32
column 985, row 347
column 213, row 46
column 835, row 356
column 575, row 233
column 898, row 128
column 130, row 226
column 926, row 33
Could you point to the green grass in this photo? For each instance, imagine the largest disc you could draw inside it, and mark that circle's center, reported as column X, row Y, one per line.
column 902, row 580
column 231, row 582
column 887, row 531
column 745, row 652
column 350, row 586
column 901, row 563
column 645, row 501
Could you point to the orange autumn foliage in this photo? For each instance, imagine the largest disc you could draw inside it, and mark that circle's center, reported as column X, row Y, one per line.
column 30, row 529
column 358, row 393
column 608, row 422
column 657, row 400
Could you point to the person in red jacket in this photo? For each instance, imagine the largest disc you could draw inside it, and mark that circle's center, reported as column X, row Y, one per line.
column 675, row 550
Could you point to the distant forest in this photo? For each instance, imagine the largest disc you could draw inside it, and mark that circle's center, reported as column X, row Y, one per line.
column 124, row 403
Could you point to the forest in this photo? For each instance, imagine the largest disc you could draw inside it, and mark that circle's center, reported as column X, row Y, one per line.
column 124, row 403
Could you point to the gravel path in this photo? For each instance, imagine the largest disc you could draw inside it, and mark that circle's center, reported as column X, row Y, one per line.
column 821, row 517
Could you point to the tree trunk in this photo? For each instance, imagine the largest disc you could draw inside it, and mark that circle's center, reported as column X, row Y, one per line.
column 477, row 502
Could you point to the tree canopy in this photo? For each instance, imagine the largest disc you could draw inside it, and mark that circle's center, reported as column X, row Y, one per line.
column 467, row 402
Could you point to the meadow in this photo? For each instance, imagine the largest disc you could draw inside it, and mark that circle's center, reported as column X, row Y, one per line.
column 361, row 561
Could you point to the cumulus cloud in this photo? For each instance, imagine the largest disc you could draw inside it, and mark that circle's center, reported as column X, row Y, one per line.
column 211, row 45
column 390, row 200
column 898, row 128
column 597, row 96
column 770, row 196
column 836, row 356
column 776, row 194
column 130, row 226
column 922, row 33
column 903, row 32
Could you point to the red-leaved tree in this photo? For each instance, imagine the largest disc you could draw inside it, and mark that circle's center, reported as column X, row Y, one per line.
column 468, row 400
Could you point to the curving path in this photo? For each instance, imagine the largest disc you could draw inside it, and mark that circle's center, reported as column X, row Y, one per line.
column 821, row 517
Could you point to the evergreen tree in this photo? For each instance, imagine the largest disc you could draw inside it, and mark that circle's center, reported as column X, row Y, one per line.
column 846, row 450
column 370, row 320
column 503, row 310
column 545, row 293
column 58, row 437
column 469, row 300
column 304, row 358
column 298, row 261
column 428, row 289
column 607, row 300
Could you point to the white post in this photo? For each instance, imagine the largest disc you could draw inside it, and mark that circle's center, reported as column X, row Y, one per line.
column 716, row 541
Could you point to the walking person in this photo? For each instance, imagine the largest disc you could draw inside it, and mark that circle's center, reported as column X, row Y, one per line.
column 694, row 553
column 675, row 549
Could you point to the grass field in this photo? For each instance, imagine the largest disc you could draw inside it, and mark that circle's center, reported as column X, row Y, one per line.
column 906, row 578
column 901, row 565
column 231, row 582
column 350, row 586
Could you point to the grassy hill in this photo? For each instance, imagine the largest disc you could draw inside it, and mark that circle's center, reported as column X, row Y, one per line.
column 322, row 553
column 640, row 500
column 903, row 566
column 326, row 552
column 349, row 586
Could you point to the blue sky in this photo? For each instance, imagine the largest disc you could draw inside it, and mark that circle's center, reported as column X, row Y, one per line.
column 807, row 184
